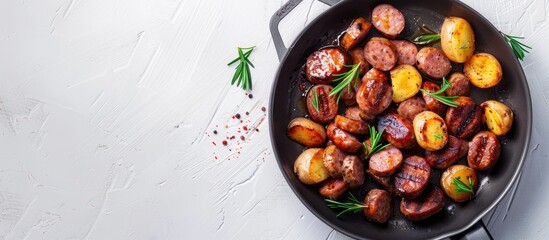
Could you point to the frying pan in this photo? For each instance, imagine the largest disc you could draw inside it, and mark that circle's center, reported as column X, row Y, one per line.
column 287, row 103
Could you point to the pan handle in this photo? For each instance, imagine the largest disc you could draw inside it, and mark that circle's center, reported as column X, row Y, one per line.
column 278, row 16
column 477, row 231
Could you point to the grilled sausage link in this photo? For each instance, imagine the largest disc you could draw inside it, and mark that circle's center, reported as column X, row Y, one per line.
column 333, row 188
column 381, row 53
column 324, row 63
column 355, row 33
column 459, row 85
column 342, row 139
column 385, row 162
column 466, row 119
column 351, row 125
column 412, row 107
column 353, row 171
column 399, row 131
column 413, row 177
column 484, row 151
column 450, row 154
column 327, row 106
column 375, row 93
column 388, row 20
column 433, row 104
column 333, row 160
column 433, row 62
column 378, row 204
column 423, row 207
column 406, row 51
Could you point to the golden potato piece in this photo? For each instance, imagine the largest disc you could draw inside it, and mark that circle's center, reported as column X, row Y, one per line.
column 497, row 117
column 457, row 39
column 430, row 131
column 306, row 132
column 406, row 82
column 466, row 175
column 484, row 70
column 309, row 166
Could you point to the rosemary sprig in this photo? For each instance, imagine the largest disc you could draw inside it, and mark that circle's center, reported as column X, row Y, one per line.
column 462, row 187
column 375, row 137
column 518, row 48
column 345, row 79
column 315, row 100
column 438, row 136
column 425, row 39
column 243, row 74
column 448, row 100
column 353, row 205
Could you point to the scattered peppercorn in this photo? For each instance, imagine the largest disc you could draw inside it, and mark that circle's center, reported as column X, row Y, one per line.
column 237, row 116
column 263, row 109
column 224, row 142
column 247, row 113
column 215, row 131
column 232, row 137
column 245, row 128
column 242, row 138
column 250, row 96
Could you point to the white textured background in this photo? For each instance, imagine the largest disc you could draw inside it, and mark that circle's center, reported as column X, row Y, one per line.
column 107, row 109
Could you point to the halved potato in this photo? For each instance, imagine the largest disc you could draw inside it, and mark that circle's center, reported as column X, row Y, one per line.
column 309, row 166
column 466, row 175
column 497, row 117
column 406, row 82
column 306, row 132
column 457, row 39
column 430, row 131
column 483, row 70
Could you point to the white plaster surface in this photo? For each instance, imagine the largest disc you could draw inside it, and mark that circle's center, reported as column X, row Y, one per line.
column 107, row 112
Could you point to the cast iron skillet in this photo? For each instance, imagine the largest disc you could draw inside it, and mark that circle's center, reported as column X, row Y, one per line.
column 287, row 103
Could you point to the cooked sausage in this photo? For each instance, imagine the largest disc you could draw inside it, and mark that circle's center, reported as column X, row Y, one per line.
column 357, row 55
column 324, row 63
column 385, row 162
column 381, row 53
column 379, row 205
column 353, row 171
column 375, row 94
column 464, row 120
column 413, row 177
column 327, row 106
column 406, row 52
column 450, row 154
column 353, row 112
column 333, row 160
column 433, row 62
column 348, row 96
column 342, row 139
column 386, row 183
column 433, row 104
column 427, row 205
column 399, row 131
column 411, row 107
column 351, row 125
column 388, row 20
column 459, row 85
column 333, row 188
column 484, row 151
column 355, row 33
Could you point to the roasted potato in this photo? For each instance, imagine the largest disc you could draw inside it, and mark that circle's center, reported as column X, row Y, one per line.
column 306, row 132
column 406, row 82
column 483, row 70
column 430, row 131
column 457, row 39
column 497, row 117
column 466, row 175
column 309, row 166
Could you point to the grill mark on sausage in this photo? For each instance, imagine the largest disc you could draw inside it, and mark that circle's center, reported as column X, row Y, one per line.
column 470, row 111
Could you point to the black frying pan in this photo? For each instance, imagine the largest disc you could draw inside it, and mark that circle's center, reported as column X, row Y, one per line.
column 287, row 103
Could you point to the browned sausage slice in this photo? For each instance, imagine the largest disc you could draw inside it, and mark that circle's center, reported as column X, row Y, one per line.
column 378, row 204
column 433, row 62
column 459, row 85
column 388, row 20
column 411, row 107
column 355, row 33
column 357, row 55
column 484, row 151
column 353, row 171
column 385, row 162
column 381, row 53
column 351, row 125
column 385, row 182
column 450, row 154
column 375, row 94
column 399, row 131
column 406, row 52
column 333, row 160
column 342, row 139
column 324, row 63
column 423, row 207
column 333, row 188
column 413, row 177
column 327, row 106
column 433, row 104
column 464, row 120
